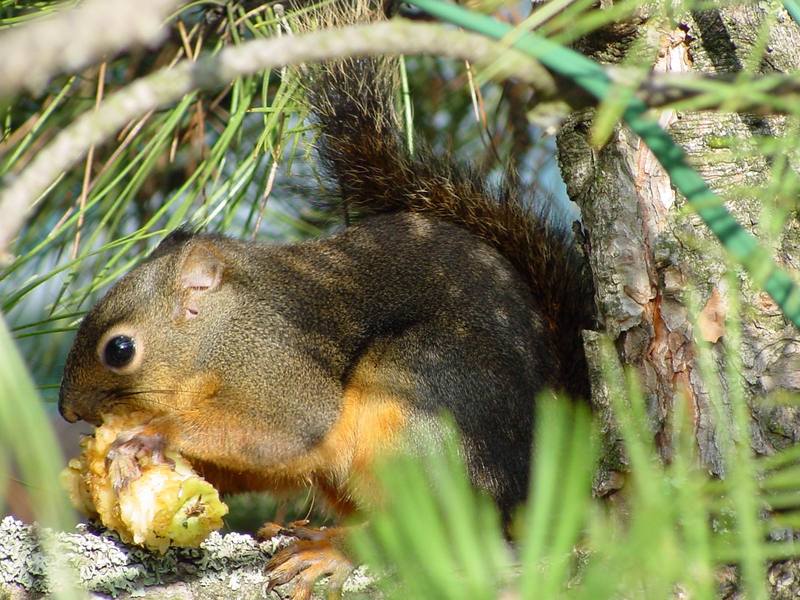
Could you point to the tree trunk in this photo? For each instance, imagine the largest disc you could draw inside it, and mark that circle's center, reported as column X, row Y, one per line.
column 647, row 248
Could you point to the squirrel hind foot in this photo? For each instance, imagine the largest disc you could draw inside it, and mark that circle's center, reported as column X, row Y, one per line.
column 315, row 553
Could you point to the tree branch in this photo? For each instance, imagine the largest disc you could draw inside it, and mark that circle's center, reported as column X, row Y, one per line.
column 225, row 566
column 772, row 94
column 72, row 39
column 168, row 85
column 393, row 37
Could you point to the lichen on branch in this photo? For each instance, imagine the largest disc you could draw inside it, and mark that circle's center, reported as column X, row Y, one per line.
column 225, row 566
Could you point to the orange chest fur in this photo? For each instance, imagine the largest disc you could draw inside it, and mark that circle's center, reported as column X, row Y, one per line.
column 370, row 425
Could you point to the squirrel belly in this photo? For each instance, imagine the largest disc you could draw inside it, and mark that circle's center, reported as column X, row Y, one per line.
column 275, row 367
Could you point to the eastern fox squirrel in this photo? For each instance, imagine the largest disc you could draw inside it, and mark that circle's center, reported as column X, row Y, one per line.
column 275, row 367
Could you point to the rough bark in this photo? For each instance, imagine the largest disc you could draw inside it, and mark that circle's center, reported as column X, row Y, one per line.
column 229, row 566
column 647, row 248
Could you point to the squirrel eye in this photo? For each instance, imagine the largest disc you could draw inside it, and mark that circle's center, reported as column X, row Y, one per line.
column 119, row 351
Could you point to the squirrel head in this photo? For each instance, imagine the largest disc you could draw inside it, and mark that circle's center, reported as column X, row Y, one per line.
column 204, row 337
column 138, row 347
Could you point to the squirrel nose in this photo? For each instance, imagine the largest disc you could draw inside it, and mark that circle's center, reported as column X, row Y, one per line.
column 66, row 411
column 68, row 414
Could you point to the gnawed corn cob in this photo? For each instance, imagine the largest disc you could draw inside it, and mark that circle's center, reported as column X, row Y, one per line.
column 167, row 505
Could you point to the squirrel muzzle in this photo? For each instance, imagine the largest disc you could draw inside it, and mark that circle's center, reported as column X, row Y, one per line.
column 65, row 408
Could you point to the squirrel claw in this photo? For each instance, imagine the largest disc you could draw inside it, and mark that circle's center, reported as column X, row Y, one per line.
column 314, row 555
column 296, row 529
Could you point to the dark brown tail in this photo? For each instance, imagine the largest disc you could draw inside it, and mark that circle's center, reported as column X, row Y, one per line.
column 362, row 149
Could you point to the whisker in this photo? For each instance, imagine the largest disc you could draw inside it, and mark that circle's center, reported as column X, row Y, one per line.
column 160, row 391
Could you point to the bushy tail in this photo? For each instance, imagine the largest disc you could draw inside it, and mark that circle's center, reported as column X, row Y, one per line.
column 361, row 148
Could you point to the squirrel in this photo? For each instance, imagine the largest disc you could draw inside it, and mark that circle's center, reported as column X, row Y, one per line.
column 275, row 367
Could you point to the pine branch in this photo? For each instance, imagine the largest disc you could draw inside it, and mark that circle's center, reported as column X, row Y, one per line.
column 168, row 85
column 226, row 566
column 72, row 39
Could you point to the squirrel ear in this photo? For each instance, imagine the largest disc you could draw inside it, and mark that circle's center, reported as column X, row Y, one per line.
column 200, row 273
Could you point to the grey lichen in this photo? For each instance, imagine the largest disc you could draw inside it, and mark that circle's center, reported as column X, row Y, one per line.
column 21, row 563
column 101, row 563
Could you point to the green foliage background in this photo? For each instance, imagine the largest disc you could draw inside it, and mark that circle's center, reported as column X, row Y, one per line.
column 240, row 160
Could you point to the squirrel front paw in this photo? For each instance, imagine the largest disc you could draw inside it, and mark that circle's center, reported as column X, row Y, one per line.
column 131, row 451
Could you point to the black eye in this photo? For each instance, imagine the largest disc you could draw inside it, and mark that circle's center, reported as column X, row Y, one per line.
column 119, row 351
